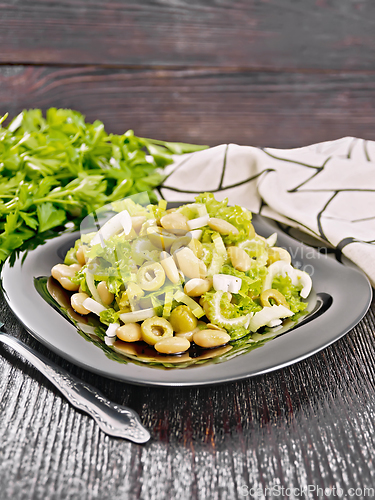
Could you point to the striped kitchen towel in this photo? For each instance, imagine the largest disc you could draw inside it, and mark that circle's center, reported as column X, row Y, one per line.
column 326, row 190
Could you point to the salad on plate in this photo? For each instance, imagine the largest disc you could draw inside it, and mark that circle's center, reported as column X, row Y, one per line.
column 172, row 280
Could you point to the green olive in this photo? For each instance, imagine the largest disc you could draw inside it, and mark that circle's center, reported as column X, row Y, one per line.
column 277, row 296
column 151, row 276
column 182, row 319
column 154, row 329
column 160, row 238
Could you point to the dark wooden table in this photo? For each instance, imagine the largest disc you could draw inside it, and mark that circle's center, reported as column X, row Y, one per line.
column 256, row 72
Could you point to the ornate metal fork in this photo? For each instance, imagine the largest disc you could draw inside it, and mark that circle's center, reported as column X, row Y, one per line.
column 113, row 419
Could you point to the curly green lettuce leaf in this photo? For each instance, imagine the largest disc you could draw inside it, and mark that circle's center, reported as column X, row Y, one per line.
column 109, row 316
column 80, row 279
column 134, row 208
column 252, row 280
column 111, row 260
column 291, row 293
column 71, row 254
column 236, row 215
column 159, row 210
column 193, row 210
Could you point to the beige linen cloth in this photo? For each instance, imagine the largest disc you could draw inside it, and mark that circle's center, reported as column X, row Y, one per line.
column 326, row 190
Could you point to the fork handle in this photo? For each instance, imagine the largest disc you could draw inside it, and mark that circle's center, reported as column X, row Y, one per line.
column 113, row 419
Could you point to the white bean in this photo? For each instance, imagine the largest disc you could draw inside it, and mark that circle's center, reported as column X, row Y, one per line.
column 172, row 345
column 77, row 300
column 222, row 226
column 211, row 338
column 188, row 335
column 62, row 273
column 105, row 295
column 131, row 332
column 137, row 221
column 80, row 254
column 190, row 265
column 175, row 223
column 197, row 287
column 239, row 258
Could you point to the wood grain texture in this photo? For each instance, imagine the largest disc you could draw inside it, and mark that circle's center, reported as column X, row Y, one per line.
column 309, row 424
column 272, row 73
column 246, row 33
column 208, row 106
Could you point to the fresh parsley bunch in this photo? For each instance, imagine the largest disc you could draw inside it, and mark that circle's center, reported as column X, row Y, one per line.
column 57, row 169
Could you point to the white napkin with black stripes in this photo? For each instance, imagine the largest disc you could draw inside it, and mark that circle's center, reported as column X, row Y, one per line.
column 326, row 190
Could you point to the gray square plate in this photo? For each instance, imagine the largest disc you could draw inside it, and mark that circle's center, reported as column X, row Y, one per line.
column 349, row 291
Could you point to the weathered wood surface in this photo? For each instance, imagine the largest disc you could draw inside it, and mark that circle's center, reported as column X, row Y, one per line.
column 206, row 106
column 311, row 424
column 280, row 73
column 329, row 34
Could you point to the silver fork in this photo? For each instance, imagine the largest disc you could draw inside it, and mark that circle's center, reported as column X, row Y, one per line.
column 113, row 419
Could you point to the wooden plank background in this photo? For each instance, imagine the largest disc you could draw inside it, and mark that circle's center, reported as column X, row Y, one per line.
column 281, row 73
column 267, row 73
column 272, row 34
